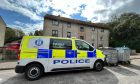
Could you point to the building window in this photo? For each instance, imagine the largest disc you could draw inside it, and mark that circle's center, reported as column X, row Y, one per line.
column 55, row 33
column 60, row 44
column 101, row 38
column 68, row 25
column 69, row 34
column 82, row 37
column 82, row 29
column 102, row 30
column 55, row 22
column 93, row 29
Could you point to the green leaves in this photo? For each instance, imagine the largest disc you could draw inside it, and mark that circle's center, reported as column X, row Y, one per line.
column 125, row 30
column 13, row 35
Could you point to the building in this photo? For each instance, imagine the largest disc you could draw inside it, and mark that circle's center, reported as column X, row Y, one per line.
column 93, row 33
column 2, row 31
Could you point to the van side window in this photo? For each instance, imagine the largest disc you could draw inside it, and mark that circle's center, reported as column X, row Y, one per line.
column 81, row 45
column 60, row 44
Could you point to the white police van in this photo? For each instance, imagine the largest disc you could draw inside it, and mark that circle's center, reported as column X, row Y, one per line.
column 39, row 54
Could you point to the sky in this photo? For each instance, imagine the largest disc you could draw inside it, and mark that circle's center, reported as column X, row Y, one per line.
column 27, row 15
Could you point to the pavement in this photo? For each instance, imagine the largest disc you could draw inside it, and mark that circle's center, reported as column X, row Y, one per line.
column 7, row 65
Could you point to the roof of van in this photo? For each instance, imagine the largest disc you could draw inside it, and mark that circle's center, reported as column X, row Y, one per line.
column 50, row 37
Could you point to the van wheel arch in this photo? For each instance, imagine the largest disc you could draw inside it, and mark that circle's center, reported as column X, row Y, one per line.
column 34, row 62
column 98, row 61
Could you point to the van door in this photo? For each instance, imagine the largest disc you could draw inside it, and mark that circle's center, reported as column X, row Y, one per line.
column 62, row 53
column 85, row 53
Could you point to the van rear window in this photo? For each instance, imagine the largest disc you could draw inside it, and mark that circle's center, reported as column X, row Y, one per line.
column 60, row 44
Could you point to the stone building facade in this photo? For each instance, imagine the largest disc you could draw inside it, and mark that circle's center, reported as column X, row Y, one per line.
column 2, row 31
column 93, row 33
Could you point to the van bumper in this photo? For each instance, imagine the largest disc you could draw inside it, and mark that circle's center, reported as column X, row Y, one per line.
column 19, row 69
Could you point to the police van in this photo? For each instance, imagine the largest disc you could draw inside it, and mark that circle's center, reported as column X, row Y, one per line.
column 40, row 54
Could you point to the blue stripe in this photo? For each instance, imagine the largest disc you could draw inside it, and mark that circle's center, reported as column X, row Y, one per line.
column 92, row 54
column 50, row 54
column 71, row 54
column 43, row 50
column 43, row 53
column 75, row 54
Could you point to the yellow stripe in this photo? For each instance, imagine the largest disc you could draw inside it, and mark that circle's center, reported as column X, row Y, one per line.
column 83, row 54
column 28, row 53
column 58, row 53
column 99, row 54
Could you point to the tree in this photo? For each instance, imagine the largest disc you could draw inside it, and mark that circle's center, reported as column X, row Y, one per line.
column 31, row 34
column 13, row 34
column 38, row 33
column 125, row 30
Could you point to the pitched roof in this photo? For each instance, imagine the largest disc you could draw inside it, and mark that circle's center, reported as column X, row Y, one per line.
column 98, row 25
column 2, row 20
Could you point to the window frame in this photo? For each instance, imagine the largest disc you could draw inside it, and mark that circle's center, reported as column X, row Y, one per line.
column 51, row 42
column 70, row 34
column 81, row 29
column 83, row 37
column 90, row 46
column 102, row 30
column 101, row 38
column 55, row 35
column 54, row 21
column 93, row 28
column 68, row 25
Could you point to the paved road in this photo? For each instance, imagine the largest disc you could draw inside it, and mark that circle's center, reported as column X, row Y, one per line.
column 70, row 77
column 110, row 75
column 6, row 74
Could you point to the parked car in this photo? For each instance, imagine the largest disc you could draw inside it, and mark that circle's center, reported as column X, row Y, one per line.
column 12, row 46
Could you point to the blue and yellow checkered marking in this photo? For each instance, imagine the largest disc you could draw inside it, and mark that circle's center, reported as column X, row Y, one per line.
column 47, row 53
column 71, row 54
column 92, row 54
column 44, row 53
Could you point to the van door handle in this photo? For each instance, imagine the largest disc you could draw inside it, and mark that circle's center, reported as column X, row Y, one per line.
column 78, row 52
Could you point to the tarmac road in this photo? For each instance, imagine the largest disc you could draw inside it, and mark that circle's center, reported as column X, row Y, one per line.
column 110, row 75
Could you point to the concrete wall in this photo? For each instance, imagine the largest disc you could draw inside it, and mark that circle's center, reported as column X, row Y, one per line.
column 2, row 32
column 90, row 35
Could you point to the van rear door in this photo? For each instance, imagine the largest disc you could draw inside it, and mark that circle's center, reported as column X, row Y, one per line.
column 34, row 47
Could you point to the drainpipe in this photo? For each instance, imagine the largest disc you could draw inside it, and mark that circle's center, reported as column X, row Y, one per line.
column 97, row 37
column 62, row 29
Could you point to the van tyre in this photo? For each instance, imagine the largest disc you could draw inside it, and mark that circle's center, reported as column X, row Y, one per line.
column 33, row 72
column 98, row 66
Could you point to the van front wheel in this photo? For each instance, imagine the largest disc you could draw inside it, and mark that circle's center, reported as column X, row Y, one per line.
column 33, row 72
column 98, row 66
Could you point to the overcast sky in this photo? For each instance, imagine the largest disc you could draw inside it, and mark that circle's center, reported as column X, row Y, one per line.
column 28, row 14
